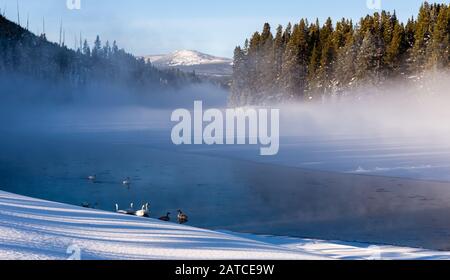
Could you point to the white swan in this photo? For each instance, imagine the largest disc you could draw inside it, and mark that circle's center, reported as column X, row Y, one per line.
column 120, row 211
column 131, row 210
column 126, row 212
column 144, row 212
column 127, row 181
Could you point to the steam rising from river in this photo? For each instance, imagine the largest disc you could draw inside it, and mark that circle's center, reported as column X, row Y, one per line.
column 414, row 110
column 417, row 109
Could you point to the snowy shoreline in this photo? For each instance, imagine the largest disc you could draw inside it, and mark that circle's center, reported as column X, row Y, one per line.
column 33, row 229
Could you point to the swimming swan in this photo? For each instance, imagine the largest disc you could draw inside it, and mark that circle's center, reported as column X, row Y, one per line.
column 127, row 181
column 129, row 211
column 144, row 212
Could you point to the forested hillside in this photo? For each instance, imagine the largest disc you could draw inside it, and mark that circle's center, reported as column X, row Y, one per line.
column 23, row 54
column 309, row 61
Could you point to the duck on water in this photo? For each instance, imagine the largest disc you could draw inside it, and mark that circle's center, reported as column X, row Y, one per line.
column 165, row 218
column 182, row 218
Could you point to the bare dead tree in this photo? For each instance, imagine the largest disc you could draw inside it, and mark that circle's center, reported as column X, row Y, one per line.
column 60, row 32
column 43, row 25
column 18, row 13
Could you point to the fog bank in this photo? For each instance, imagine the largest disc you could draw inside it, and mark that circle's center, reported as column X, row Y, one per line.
column 415, row 110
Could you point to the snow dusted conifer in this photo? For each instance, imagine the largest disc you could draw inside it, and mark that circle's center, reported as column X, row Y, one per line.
column 331, row 59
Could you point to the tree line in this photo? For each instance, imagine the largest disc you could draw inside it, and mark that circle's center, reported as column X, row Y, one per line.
column 26, row 54
column 309, row 61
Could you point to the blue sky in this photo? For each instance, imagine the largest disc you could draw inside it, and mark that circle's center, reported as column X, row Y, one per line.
column 153, row 27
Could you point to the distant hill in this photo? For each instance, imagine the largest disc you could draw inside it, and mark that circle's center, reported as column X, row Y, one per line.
column 189, row 61
column 24, row 54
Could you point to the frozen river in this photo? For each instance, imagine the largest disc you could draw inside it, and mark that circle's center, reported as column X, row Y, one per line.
column 392, row 191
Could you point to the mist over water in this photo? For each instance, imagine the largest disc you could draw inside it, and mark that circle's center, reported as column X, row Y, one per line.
column 54, row 138
column 396, row 110
column 29, row 105
column 399, row 131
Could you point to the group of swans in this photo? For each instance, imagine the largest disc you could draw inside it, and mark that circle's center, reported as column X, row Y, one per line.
column 145, row 212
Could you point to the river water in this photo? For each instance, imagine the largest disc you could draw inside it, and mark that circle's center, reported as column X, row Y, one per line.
column 338, row 190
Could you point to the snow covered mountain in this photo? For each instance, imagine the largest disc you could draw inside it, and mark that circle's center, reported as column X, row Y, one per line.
column 188, row 60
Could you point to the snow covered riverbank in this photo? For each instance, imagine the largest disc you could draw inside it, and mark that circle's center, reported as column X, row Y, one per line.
column 35, row 229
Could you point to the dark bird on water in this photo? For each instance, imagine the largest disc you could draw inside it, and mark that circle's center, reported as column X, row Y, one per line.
column 182, row 218
column 165, row 218
column 88, row 205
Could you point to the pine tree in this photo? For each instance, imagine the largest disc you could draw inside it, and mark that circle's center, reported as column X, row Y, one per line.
column 327, row 57
column 422, row 38
column 287, row 33
column 343, row 29
column 366, row 61
column 115, row 49
column 345, row 68
column 86, row 48
column 252, row 67
column 278, row 50
column 396, row 50
column 295, row 68
column 410, row 31
column 97, row 49
column 441, row 40
column 239, row 82
column 313, row 78
column 266, row 63
column 106, row 52
column 308, row 61
column 315, row 48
